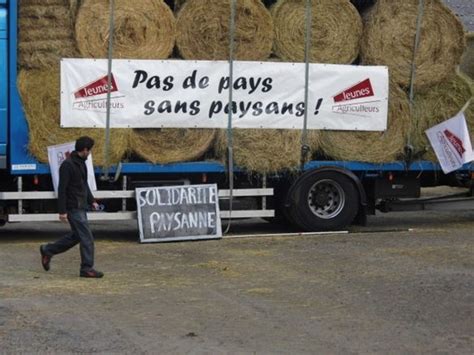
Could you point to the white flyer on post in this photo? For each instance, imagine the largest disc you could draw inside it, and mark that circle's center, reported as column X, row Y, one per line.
column 451, row 143
column 57, row 154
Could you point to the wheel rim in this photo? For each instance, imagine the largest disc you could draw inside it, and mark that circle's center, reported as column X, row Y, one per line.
column 326, row 199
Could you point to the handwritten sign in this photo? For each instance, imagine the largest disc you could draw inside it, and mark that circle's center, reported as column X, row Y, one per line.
column 174, row 213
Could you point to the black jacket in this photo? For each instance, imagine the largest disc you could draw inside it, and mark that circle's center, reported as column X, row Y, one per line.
column 73, row 191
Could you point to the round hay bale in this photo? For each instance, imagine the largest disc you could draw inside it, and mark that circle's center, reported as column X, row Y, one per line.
column 266, row 150
column 169, row 145
column 144, row 29
column 374, row 147
column 203, row 30
column 436, row 105
column 335, row 36
column 389, row 39
column 467, row 62
column 40, row 91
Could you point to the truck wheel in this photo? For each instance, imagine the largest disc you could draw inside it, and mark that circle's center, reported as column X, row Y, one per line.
column 324, row 200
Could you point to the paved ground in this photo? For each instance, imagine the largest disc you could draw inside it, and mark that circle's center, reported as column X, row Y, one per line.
column 380, row 289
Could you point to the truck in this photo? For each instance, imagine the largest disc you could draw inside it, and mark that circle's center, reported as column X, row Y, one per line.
column 323, row 195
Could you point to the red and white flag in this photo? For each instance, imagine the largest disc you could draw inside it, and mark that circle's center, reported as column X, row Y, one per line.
column 451, row 143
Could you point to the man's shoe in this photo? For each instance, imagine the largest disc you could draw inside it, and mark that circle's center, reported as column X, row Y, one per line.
column 45, row 259
column 92, row 274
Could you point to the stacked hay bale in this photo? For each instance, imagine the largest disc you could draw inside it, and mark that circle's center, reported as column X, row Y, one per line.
column 45, row 36
column 144, row 29
column 42, row 111
column 335, row 34
column 45, row 33
column 148, row 29
column 203, row 30
column 441, row 102
column 203, row 33
column 376, row 147
column 390, row 36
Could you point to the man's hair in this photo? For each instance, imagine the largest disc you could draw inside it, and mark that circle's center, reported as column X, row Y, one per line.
column 84, row 142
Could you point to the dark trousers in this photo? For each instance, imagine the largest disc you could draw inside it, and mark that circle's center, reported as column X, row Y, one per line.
column 80, row 233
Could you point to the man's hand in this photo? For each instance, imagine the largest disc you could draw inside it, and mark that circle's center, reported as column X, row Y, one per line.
column 95, row 206
column 63, row 217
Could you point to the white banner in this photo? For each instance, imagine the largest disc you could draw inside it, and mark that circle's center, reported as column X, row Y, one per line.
column 195, row 94
column 57, row 154
column 451, row 143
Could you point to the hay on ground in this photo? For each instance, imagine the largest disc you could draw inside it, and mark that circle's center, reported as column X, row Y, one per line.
column 144, row 29
column 389, row 39
column 40, row 95
column 375, row 147
column 436, row 105
column 170, row 145
column 467, row 61
column 266, row 150
column 335, row 35
column 203, row 30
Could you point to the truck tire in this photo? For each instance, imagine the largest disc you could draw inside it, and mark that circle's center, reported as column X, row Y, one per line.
column 323, row 200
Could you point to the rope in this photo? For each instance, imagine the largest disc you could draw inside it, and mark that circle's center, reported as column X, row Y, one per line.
column 307, row 49
column 419, row 20
column 105, row 175
column 230, row 142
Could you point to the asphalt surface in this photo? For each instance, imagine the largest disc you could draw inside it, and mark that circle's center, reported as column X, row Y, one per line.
column 404, row 284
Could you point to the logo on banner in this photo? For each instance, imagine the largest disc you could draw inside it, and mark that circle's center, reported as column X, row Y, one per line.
column 359, row 91
column 93, row 96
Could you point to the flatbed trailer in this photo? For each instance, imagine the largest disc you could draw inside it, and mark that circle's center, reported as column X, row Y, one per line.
column 323, row 195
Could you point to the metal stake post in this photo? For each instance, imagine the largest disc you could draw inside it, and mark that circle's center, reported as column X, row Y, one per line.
column 105, row 175
column 307, row 55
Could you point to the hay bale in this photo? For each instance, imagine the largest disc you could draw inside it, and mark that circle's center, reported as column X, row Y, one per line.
column 162, row 146
column 266, row 150
column 44, row 11
column 436, row 105
column 335, row 36
column 375, row 147
column 467, row 61
column 45, row 35
column 203, row 30
column 144, row 29
column 389, row 39
column 40, row 91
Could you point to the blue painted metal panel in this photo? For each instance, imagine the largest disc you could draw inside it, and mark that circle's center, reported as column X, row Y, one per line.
column 18, row 125
column 3, row 83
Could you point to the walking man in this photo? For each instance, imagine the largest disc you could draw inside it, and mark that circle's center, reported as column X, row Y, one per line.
column 74, row 196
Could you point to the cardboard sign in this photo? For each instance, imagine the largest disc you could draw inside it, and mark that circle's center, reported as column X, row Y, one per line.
column 195, row 94
column 57, row 154
column 173, row 213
